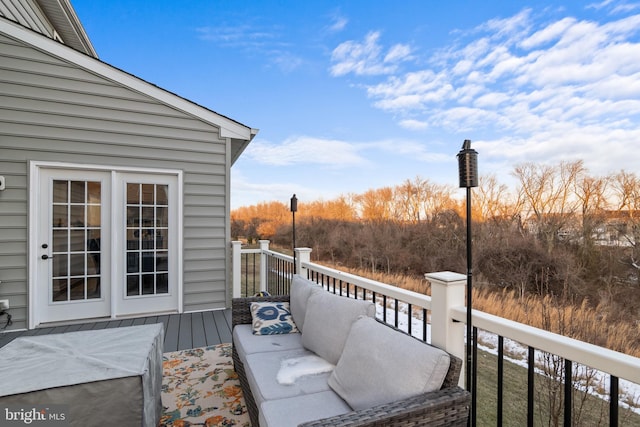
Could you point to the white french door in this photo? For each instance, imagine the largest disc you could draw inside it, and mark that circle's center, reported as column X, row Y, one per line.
column 147, row 262
column 107, row 244
column 73, row 245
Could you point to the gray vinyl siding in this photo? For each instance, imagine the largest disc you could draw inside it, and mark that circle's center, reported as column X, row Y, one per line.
column 53, row 111
column 28, row 14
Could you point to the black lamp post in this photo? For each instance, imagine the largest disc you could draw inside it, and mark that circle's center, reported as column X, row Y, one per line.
column 294, row 208
column 468, row 170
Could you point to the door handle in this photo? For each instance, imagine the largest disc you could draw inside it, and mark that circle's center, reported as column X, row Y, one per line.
column 45, row 256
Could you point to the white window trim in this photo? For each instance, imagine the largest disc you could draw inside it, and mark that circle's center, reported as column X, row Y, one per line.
column 35, row 193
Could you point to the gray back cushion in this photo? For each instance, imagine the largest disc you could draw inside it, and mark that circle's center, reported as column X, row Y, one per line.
column 380, row 365
column 300, row 291
column 328, row 321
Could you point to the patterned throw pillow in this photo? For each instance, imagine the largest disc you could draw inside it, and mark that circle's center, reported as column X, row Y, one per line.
column 271, row 318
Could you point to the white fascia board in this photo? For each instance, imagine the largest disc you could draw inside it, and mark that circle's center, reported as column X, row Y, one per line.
column 228, row 127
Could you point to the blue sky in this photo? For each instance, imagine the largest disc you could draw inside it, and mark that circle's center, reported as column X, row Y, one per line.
column 354, row 95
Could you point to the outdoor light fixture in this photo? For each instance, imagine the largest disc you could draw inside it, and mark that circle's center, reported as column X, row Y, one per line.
column 468, row 170
column 294, row 208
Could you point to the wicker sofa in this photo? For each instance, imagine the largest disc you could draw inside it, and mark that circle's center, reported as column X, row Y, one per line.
column 378, row 374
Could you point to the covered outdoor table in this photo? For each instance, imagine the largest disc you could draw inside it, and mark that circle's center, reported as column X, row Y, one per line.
column 105, row 377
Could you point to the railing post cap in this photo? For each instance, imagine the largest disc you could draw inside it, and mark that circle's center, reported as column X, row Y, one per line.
column 303, row 249
column 445, row 277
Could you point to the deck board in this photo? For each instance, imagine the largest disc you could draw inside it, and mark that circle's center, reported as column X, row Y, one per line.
column 184, row 334
column 181, row 331
column 197, row 330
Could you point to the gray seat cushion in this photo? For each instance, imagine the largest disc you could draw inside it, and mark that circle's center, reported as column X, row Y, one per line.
column 262, row 371
column 247, row 343
column 301, row 290
column 328, row 322
column 297, row 410
column 380, row 365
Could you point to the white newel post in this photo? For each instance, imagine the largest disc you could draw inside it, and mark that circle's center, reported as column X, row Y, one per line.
column 236, row 268
column 303, row 255
column 264, row 246
column 448, row 290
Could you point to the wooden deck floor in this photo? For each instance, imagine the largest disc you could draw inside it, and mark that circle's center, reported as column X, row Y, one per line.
column 181, row 331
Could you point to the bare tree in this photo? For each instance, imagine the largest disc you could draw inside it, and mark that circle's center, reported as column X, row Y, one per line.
column 592, row 196
column 626, row 186
column 547, row 194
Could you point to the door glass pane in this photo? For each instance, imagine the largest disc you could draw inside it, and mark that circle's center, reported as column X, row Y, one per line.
column 162, row 195
column 147, row 229
column 133, row 194
column 148, row 194
column 59, row 290
column 76, row 240
column 60, row 191
column 77, row 191
column 94, row 192
column 60, row 216
column 76, row 213
column 60, row 240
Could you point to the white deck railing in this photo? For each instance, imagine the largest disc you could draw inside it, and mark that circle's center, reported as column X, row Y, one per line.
column 448, row 316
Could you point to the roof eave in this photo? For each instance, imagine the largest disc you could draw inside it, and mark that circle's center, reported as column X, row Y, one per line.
column 67, row 24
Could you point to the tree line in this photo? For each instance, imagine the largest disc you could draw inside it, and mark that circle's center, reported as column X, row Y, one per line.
column 561, row 232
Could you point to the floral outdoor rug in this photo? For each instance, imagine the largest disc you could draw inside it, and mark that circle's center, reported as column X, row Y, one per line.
column 200, row 388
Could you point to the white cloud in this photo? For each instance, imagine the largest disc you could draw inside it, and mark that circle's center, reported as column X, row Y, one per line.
column 338, row 23
column 552, row 86
column 305, row 150
column 414, row 124
column 366, row 58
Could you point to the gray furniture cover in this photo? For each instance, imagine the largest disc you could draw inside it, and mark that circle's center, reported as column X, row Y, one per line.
column 106, row 376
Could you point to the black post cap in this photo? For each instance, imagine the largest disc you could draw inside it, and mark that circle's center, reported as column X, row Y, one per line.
column 468, row 165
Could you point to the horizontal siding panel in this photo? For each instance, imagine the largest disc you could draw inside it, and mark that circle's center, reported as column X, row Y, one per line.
column 16, row 89
column 208, row 233
column 212, row 189
column 194, row 277
column 148, row 150
column 146, row 123
column 13, row 221
column 206, row 211
column 205, row 201
column 12, row 287
column 203, row 221
column 203, row 287
column 83, row 130
column 12, row 234
column 9, row 207
column 19, row 67
column 12, row 248
column 115, row 159
column 204, row 254
column 205, row 264
column 32, row 77
column 213, row 177
column 14, row 274
column 198, row 244
column 15, row 191
column 16, row 260
column 11, row 168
